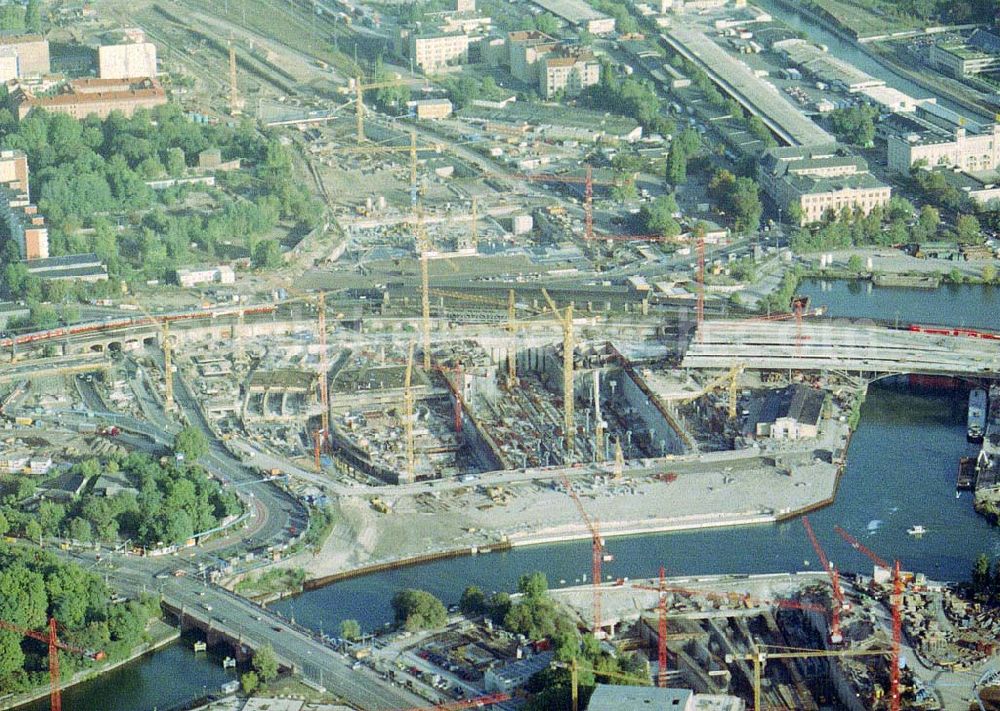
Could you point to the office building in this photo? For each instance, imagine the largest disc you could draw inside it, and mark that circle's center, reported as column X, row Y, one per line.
column 568, row 73
column 820, row 178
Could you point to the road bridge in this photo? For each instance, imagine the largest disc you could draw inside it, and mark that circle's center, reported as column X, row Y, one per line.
column 841, row 345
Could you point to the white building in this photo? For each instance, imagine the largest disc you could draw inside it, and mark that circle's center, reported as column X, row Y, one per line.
column 126, row 61
column 570, row 74
column 512, row 676
column 433, row 51
column 820, row 178
column 222, row 274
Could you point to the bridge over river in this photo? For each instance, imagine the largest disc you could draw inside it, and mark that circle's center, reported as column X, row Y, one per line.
column 845, row 346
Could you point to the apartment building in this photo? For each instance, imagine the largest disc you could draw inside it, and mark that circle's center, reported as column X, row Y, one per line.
column 80, row 98
column 435, row 50
column 568, row 73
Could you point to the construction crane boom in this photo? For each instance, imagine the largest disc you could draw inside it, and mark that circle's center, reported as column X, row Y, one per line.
column 895, row 604
column 51, row 638
column 661, row 638
column 762, row 653
column 566, row 321
column 597, row 548
column 408, row 415
column 423, row 244
column 359, row 99
column 838, row 595
column 324, row 393
column 168, row 375
column 731, row 379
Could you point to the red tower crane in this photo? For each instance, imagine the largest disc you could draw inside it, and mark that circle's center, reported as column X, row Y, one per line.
column 896, row 603
column 52, row 640
column 838, row 595
column 597, row 549
column 661, row 641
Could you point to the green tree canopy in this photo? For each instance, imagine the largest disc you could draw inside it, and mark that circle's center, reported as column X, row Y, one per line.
column 265, row 663
column 191, row 442
column 418, row 610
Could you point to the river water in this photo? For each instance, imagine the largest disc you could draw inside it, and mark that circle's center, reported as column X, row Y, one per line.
column 901, row 469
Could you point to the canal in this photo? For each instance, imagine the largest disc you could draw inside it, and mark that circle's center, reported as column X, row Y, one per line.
column 900, row 472
column 849, row 52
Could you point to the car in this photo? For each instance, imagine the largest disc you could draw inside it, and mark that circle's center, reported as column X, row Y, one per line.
column 276, row 629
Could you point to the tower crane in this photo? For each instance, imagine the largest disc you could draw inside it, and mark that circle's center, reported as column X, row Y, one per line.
column 587, row 181
column 412, row 149
column 55, row 644
column 574, row 676
column 424, row 247
column 661, row 637
column 408, row 415
column 597, row 548
column 168, row 374
column 761, row 653
column 699, row 240
column 235, row 105
column 731, row 380
column 359, row 98
column 565, row 319
column 838, row 595
column 895, row 603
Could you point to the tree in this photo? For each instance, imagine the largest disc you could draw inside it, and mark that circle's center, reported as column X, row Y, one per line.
column 33, row 17
column 497, row 607
column 418, row 610
column 855, row 124
column 472, row 603
column 33, row 530
column 855, row 264
column 989, row 275
column 929, row 220
column 4, row 524
column 350, row 630
column 967, row 229
column 265, row 663
column 267, row 254
column 981, row 574
column 547, row 23
column 533, row 585
column 191, row 443
column 249, row 681
column 658, row 217
column 676, row 165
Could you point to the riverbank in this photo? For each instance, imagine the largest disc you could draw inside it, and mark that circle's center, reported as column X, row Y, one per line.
column 709, row 491
column 161, row 635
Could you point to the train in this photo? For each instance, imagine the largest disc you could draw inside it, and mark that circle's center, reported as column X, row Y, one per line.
column 125, row 322
column 952, row 331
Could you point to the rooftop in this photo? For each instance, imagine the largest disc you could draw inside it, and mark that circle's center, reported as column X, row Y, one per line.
column 639, row 698
column 66, row 261
column 573, row 11
column 543, row 115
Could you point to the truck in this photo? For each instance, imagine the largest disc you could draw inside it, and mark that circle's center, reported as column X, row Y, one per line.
column 23, row 421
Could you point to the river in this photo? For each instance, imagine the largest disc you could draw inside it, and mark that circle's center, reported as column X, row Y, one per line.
column 900, row 471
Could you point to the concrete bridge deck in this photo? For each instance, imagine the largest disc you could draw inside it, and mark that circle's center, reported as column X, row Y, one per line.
column 839, row 345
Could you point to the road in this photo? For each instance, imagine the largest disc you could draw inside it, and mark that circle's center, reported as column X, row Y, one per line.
column 294, row 646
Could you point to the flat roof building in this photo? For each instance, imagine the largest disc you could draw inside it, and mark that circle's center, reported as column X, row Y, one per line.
column 525, row 49
column 124, row 61
column 512, row 676
column 433, row 50
column 428, row 109
column 791, row 413
column 964, row 58
column 222, row 274
column 81, row 267
column 580, row 15
column 820, row 178
column 939, row 138
column 31, row 53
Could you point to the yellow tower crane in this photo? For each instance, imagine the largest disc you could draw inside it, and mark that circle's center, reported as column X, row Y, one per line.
column 574, row 679
column 619, row 459
column 565, row 319
column 359, row 98
column 424, row 247
column 474, row 232
column 761, row 653
column 412, row 149
column 408, row 415
column 731, row 379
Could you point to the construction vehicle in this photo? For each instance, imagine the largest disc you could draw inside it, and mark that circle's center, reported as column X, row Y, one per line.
column 52, row 639
column 379, row 505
